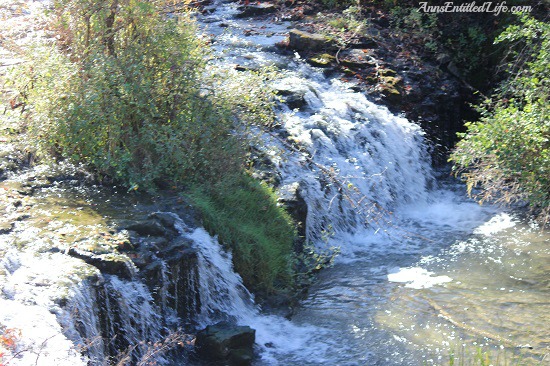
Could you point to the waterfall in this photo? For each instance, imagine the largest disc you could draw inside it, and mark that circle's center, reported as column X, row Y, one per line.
column 112, row 317
column 355, row 162
column 224, row 297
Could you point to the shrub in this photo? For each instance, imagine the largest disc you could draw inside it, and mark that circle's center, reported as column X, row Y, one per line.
column 127, row 91
column 507, row 152
column 131, row 93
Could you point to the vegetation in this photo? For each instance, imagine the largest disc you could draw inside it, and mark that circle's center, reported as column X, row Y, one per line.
column 245, row 215
column 507, row 152
column 488, row 356
column 130, row 92
column 338, row 3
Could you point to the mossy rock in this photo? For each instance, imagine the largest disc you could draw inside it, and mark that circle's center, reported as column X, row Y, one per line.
column 356, row 59
column 310, row 42
column 387, row 72
column 348, row 71
column 321, row 60
column 392, row 81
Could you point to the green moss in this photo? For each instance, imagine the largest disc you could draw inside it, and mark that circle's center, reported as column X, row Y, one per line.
column 321, row 60
column 245, row 215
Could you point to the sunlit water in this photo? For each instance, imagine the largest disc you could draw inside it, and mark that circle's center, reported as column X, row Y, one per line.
column 432, row 273
column 423, row 271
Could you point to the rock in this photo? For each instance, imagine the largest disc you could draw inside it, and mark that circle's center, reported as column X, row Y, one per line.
column 241, row 357
column 321, row 60
column 290, row 195
column 227, row 342
column 304, row 41
column 443, row 59
column 6, row 227
column 453, row 69
column 166, row 219
column 118, row 265
column 148, row 227
column 256, row 10
column 356, row 58
column 389, row 86
column 362, row 42
column 387, row 72
column 293, row 97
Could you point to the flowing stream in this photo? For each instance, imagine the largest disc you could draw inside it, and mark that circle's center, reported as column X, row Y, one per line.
column 423, row 271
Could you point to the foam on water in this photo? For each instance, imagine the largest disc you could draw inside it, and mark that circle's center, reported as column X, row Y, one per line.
column 497, row 223
column 416, row 277
column 224, row 297
column 39, row 338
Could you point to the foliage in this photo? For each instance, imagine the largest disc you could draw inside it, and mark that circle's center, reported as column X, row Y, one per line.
column 507, row 152
column 422, row 27
column 338, row 3
column 127, row 91
column 9, row 338
column 350, row 19
column 135, row 95
column 245, row 215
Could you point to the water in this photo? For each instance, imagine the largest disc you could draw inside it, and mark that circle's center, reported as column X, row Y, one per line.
column 423, row 271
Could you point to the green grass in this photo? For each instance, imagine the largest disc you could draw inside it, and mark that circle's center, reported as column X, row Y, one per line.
column 245, row 215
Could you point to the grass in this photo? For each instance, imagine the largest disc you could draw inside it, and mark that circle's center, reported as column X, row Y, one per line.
column 245, row 215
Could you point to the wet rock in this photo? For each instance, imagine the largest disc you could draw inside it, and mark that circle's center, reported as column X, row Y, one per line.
column 112, row 264
column 148, row 228
column 294, row 98
column 6, row 227
column 256, row 10
column 310, row 42
column 264, row 167
column 290, row 196
column 167, row 220
column 227, row 342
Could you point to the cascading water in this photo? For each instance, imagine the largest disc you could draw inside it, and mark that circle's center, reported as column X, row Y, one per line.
column 224, row 297
column 422, row 269
column 358, row 162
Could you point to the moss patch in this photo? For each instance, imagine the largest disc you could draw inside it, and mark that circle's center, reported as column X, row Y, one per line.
column 245, row 215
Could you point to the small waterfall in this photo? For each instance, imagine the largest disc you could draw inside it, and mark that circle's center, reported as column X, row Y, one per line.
column 355, row 161
column 113, row 317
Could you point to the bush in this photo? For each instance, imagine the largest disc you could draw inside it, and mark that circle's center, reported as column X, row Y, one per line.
column 245, row 215
column 128, row 91
column 507, row 152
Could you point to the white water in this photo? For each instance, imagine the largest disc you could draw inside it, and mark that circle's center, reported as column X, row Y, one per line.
column 421, row 265
column 223, row 297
